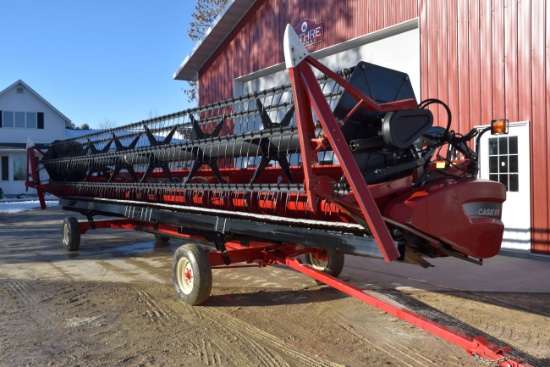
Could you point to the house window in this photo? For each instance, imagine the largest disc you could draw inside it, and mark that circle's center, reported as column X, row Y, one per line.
column 19, row 90
column 5, row 168
column 7, row 119
column 40, row 120
column 31, row 120
column 22, row 120
column 19, row 168
column 503, row 161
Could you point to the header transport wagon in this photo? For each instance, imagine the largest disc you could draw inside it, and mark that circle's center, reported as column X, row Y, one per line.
column 333, row 163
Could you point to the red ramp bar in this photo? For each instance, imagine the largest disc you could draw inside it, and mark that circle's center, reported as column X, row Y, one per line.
column 477, row 346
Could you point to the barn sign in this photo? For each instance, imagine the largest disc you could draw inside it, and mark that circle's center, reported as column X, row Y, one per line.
column 309, row 31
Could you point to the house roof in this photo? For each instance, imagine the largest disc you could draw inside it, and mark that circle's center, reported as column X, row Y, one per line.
column 233, row 12
column 25, row 85
column 12, row 146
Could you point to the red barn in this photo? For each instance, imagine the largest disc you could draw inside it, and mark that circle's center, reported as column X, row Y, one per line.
column 486, row 59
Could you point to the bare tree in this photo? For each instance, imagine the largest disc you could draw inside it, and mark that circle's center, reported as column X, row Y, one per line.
column 205, row 13
column 107, row 124
column 153, row 114
column 192, row 91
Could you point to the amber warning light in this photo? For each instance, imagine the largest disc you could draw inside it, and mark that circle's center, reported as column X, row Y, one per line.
column 499, row 126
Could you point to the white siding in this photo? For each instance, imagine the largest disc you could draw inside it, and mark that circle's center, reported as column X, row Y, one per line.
column 54, row 125
column 54, row 129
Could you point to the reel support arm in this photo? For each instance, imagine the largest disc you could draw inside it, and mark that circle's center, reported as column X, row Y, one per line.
column 307, row 94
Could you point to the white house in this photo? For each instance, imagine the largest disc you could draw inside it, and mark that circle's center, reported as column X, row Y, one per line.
column 24, row 114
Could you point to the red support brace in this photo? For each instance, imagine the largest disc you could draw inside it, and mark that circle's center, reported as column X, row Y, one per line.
column 303, row 79
column 33, row 177
column 477, row 346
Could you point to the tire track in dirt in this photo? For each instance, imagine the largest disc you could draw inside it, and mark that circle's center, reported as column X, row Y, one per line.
column 310, row 340
column 393, row 337
column 154, row 309
column 256, row 337
column 209, row 355
column 8, row 318
column 191, row 318
column 533, row 338
column 32, row 326
column 253, row 342
column 228, row 335
column 22, row 294
column 246, row 347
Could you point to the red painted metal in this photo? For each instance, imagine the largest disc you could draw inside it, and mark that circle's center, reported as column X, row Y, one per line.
column 541, row 249
column 474, row 69
column 265, row 253
column 451, row 62
column 540, row 140
column 306, row 132
column 304, row 79
column 477, row 346
column 33, row 176
column 511, row 62
column 498, row 77
column 431, row 209
column 133, row 225
column 486, row 59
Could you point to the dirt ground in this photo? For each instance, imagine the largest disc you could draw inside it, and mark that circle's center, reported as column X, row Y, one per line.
column 113, row 304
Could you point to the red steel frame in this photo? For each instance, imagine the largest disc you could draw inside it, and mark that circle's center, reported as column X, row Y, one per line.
column 261, row 254
column 33, row 178
column 307, row 92
column 264, row 253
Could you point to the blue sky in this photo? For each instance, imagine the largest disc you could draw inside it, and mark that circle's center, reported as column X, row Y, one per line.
column 98, row 60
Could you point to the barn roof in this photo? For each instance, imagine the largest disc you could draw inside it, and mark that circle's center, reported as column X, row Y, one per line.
column 230, row 16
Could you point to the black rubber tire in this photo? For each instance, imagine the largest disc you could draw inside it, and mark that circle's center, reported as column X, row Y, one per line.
column 333, row 266
column 161, row 238
column 192, row 274
column 71, row 234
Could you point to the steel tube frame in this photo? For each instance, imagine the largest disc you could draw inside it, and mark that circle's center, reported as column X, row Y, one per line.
column 477, row 346
column 307, row 94
column 264, row 253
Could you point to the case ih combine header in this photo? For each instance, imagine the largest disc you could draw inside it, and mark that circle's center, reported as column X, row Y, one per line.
column 333, row 163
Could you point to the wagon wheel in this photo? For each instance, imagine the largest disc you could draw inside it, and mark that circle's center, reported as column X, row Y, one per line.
column 329, row 262
column 192, row 274
column 71, row 234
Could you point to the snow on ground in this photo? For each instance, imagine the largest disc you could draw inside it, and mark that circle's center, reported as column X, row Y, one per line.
column 15, row 205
